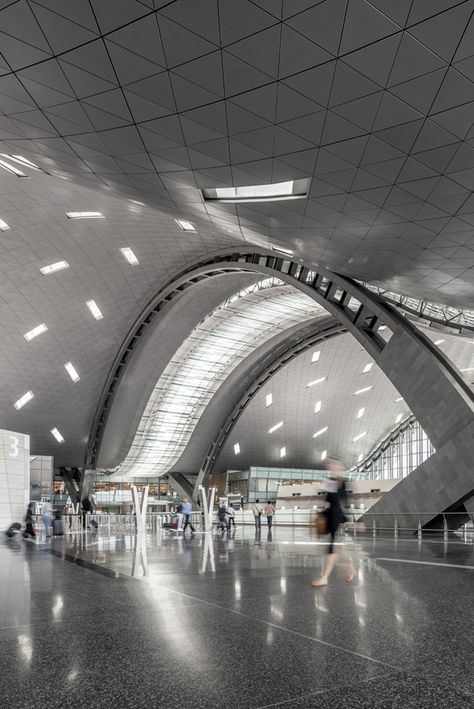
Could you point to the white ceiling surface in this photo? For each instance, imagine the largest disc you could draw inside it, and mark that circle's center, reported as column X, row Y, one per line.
column 41, row 234
column 342, row 360
column 372, row 99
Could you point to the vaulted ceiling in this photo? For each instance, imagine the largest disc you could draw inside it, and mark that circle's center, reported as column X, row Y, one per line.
column 132, row 107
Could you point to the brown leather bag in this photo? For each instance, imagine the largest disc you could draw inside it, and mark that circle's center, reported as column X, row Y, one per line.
column 321, row 524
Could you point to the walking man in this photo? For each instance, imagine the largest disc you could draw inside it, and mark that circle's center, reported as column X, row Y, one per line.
column 187, row 509
column 257, row 514
column 269, row 512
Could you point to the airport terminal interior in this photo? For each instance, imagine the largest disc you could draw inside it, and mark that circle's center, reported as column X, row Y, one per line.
column 236, row 354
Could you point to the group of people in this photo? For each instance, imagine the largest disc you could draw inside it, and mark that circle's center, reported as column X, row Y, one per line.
column 183, row 511
column 258, row 511
column 226, row 516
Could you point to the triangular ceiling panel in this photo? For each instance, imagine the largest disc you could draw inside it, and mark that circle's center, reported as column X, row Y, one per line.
column 364, row 24
column 181, row 45
column 142, row 38
column 62, row 34
column 322, row 24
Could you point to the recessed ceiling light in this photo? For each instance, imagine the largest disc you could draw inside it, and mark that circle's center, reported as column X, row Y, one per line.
column 316, row 381
column 53, row 267
column 382, row 328
column 282, row 250
column 360, row 457
column 21, row 161
column 3, row 225
column 320, row 432
column 324, row 455
column 38, row 330
column 129, row 256
column 317, row 407
column 185, row 226
column 399, row 418
column 362, row 391
column 400, row 398
column 57, row 435
column 236, row 448
column 23, row 400
column 361, row 435
column 367, row 367
column 85, row 215
column 467, row 369
column 282, row 451
column 71, row 370
column 439, row 342
column 276, row 427
column 93, row 307
column 11, row 168
column 277, row 191
column 316, row 356
column 268, row 400
column 360, row 413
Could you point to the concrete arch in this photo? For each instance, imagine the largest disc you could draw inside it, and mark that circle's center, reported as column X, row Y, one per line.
column 431, row 386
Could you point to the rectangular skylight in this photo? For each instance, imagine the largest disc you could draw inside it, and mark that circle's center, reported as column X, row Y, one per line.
column 129, row 256
column 362, row 391
column 85, row 215
column 53, row 267
column 320, row 432
column 282, row 250
column 57, row 435
column 269, row 400
column 236, row 448
column 360, row 413
column 21, row 161
column 11, row 168
column 282, row 451
column 317, row 407
column 399, row 418
column 38, row 330
column 361, row 435
column 276, row 427
column 367, row 367
column 93, row 307
column 316, row 356
column 291, row 189
column 71, row 370
column 185, row 226
column 23, row 400
column 324, row 455
column 316, row 381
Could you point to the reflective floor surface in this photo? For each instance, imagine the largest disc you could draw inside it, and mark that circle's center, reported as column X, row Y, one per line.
column 232, row 621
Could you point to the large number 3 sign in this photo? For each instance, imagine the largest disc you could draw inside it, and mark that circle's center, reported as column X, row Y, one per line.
column 13, row 448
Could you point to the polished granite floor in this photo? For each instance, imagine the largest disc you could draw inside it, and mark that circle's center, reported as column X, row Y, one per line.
column 218, row 621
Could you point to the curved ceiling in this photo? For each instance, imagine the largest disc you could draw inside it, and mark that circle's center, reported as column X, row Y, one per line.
column 212, row 351
column 371, row 100
column 342, row 361
column 131, row 107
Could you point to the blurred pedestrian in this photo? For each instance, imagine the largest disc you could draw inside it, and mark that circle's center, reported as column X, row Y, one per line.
column 231, row 516
column 269, row 512
column 334, row 518
column 257, row 515
column 29, row 523
column 46, row 517
column 187, row 509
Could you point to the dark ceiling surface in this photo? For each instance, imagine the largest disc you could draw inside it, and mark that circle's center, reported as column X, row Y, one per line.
column 373, row 100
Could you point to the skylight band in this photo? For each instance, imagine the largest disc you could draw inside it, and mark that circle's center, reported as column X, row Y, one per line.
column 274, row 192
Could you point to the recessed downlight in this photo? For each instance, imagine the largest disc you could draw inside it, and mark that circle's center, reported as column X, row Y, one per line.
column 324, row 455
column 236, row 448
column 95, row 310
column 53, row 267
column 23, row 400
column 268, row 400
column 362, row 391
column 129, row 256
column 85, row 215
column 361, row 412
column 320, row 432
column 316, row 381
column 317, row 407
column 185, row 225
column 71, row 370
column 316, row 356
column 282, row 451
column 360, row 457
column 359, row 436
column 276, row 427
column 398, row 418
column 367, row 367
column 57, row 435
column 11, row 168
column 3, row 225
column 38, row 330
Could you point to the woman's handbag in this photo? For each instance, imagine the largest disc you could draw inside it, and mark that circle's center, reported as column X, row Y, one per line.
column 321, row 524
